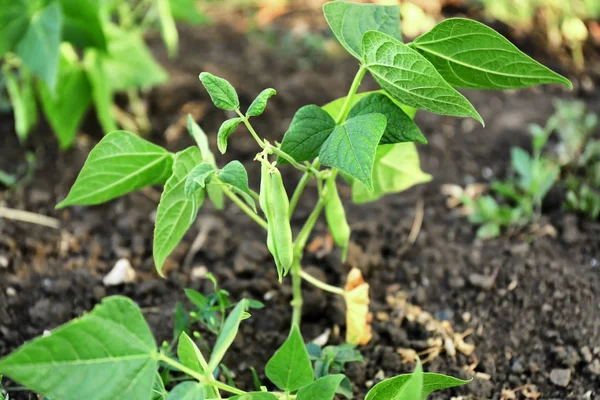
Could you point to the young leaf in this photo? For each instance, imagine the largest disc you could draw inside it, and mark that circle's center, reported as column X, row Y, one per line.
column 350, row 21
column 488, row 230
column 201, row 140
column 410, row 78
column 400, row 127
column 289, row 368
column 39, row 46
column 323, row 388
column 14, row 20
column 22, row 98
column 66, row 107
column 198, row 178
column 189, row 354
column 309, row 129
column 260, row 103
column 113, row 344
column 168, row 30
column 226, row 129
column 254, row 396
column 432, row 382
column 469, row 54
column 334, row 107
column 176, row 212
column 351, row 147
column 121, row 163
column 235, row 175
column 227, row 335
column 222, row 94
column 82, row 25
column 102, row 94
column 413, row 388
column 187, row 11
column 188, row 391
column 396, row 169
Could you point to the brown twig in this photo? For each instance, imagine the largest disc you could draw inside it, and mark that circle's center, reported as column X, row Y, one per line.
column 30, row 217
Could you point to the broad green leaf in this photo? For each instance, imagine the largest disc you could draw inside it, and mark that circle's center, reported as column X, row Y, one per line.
column 260, row 102
column 351, row 147
column 102, row 94
column 400, row 127
column 469, row 54
column 227, row 335
column 309, row 129
column 410, row 78
column 176, row 212
column 66, row 107
column 168, row 30
column 350, row 21
column 521, row 161
column 188, row 391
column 396, row 169
column 182, row 321
column 334, row 107
column 129, row 62
column 189, row 354
column 222, row 94
column 254, row 396
column 121, row 163
column 323, row 388
column 432, row 382
column 234, row 174
column 82, row 25
column 198, row 178
column 413, row 388
column 289, row 368
column 22, row 98
column 108, row 354
column 15, row 16
column 158, row 390
column 187, row 11
column 39, row 46
column 216, row 195
column 201, row 140
column 226, row 129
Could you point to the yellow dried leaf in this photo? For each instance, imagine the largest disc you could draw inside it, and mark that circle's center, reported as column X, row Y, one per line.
column 358, row 318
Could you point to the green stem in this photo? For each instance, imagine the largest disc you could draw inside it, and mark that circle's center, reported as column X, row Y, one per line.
column 289, row 159
column 244, row 207
column 250, row 128
column 320, row 284
column 201, row 378
column 353, row 89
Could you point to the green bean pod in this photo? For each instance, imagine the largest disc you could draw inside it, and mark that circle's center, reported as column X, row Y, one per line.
column 282, row 231
column 266, row 204
column 336, row 217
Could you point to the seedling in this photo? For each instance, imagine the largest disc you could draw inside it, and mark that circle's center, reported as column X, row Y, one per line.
column 67, row 55
column 366, row 138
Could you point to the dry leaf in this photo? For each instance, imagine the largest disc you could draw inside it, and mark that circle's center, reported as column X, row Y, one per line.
column 358, row 318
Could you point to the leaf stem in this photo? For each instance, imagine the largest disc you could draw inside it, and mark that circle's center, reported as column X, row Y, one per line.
column 301, row 186
column 320, row 284
column 244, row 207
column 250, row 128
column 353, row 89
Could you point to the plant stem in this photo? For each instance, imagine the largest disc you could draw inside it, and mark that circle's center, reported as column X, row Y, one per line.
column 289, row 159
column 320, row 284
column 301, row 186
column 244, row 207
column 250, row 128
column 201, row 378
column 353, row 89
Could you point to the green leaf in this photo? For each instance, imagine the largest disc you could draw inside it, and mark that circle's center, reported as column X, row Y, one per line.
column 39, row 46
column 431, row 382
column 309, row 129
column 176, row 212
column 226, row 129
column 488, row 230
column 334, row 107
column 254, row 396
column 350, row 21
column 189, row 354
column 102, row 94
column 66, row 107
column 121, row 163
column 289, row 368
column 188, row 391
column 522, row 163
column 469, row 54
column 260, row 103
column 323, row 388
column 400, row 127
column 158, row 390
column 15, row 16
column 227, row 335
column 222, row 94
column 216, row 195
column 112, row 344
column 410, row 78
column 168, row 30
column 413, row 388
column 82, row 24
column 351, row 147
column 182, row 321
column 129, row 63
column 235, row 175
column 396, row 169
column 201, row 140
column 187, row 11
column 198, row 178
column 22, row 99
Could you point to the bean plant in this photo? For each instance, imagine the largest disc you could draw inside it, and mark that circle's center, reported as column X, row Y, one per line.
column 69, row 55
column 366, row 138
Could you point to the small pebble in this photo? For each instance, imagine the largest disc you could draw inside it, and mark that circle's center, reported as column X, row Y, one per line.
column 10, row 291
column 560, row 377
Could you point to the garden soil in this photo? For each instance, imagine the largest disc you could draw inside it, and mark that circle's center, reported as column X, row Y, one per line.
column 532, row 306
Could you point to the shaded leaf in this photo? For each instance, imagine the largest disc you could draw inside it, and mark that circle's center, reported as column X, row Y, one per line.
column 227, row 335
column 235, row 175
column 323, row 388
column 254, row 396
column 260, row 102
column 82, row 24
column 222, row 94
column 226, row 129
column 22, row 98
column 189, row 354
column 334, row 107
column 201, row 140
column 168, row 30
column 289, row 368
column 198, row 178
column 188, row 391
column 15, row 16
column 309, row 129
column 187, row 11
column 102, row 94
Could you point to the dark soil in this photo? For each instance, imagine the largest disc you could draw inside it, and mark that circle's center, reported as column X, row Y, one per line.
column 539, row 314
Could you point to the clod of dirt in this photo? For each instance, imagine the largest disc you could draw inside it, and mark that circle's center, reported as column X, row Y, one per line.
column 482, row 281
column 560, row 377
column 121, row 273
column 571, row 232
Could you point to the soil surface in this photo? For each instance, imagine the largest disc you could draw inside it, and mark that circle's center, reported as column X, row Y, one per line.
column 532, row 305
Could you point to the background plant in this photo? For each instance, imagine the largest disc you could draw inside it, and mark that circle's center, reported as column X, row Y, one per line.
column 68, row 55
column 366, row 138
